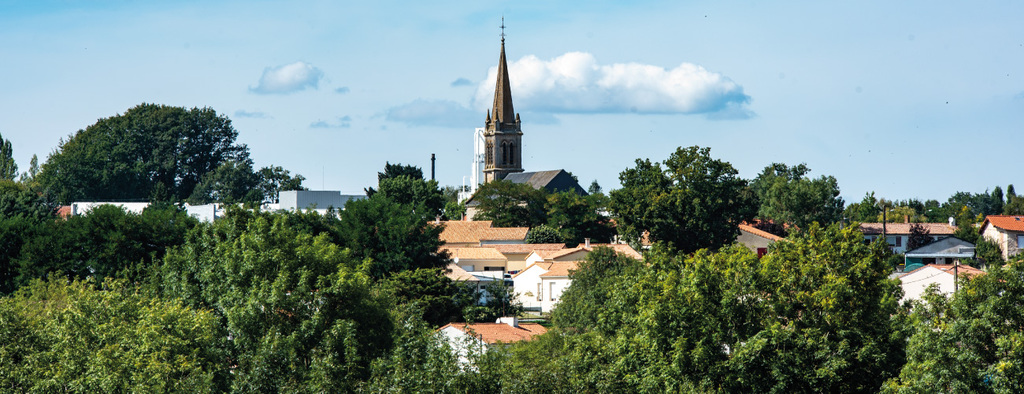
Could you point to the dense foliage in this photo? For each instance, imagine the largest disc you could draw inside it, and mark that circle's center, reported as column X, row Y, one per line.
column 788, row 196
column 694, row 202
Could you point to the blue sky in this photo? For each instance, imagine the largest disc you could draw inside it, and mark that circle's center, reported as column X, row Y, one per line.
column 914, row 99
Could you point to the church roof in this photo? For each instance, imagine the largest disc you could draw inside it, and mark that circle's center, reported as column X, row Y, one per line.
column 554, row 181
column 503, row 111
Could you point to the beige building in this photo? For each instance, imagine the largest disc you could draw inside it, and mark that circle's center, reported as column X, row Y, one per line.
column 1007, row 231
column 756, row 239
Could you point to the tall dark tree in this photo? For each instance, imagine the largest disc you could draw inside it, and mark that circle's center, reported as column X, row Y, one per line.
column 394, row 171
column 123, row 157
column 8, row 168
column 232, row 182
column 787, row 195
column 510, row 204
column 393, row 236
column 578, row 217
column 694, row 202
column 919, row 236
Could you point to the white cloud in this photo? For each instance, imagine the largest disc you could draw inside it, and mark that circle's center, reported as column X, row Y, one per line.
column 576, row 83
column 251, row 114
column 288, row 78
column 461, row 82
column 443, row 113
column 343, row 122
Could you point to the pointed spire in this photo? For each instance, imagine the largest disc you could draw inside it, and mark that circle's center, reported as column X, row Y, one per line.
column 502, row 92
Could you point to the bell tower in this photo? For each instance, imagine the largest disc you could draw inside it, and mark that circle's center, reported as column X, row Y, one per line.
column 503, row 133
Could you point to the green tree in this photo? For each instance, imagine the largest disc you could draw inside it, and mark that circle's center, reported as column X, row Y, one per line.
column 8, row 168
column 297, row 312
column 1014, row 205
column 545, row 234
column 232, row 182
column 124, row 157
column 454, row 210
column 578, row 217
column 428, row 293
column 392, row 236
column 695, row 202
column 596, row 300
column 274, row 180
column 594, row 188
column 60, row 336
column 28, row 178
column 971, row 342
column 105, row 242
column 394, row 171
column 788, row 195
column 509, row 204
column 425, row 196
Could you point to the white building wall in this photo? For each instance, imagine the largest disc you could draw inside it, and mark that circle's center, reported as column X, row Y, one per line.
column 915, row 283
column 526, row 287
column 553, row 288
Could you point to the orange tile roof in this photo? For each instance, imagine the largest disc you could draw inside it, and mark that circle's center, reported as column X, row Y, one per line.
column 504, row 234
column 564, row 252
column 457, row 231
column 476, row 254
column 621, row 249
column 64, row 211
column 618, row 248
column 492, row 333
column 560, row 269
column 525, row 248
column 458, row 274
column 541, row 264
column 462, row 231
column 759, row 232
column 1005, row 222
column 962, row 270
column 904, row 228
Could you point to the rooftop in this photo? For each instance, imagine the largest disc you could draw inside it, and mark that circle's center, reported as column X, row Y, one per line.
column 492, row 333
column 904, row 228
column 1005, row 222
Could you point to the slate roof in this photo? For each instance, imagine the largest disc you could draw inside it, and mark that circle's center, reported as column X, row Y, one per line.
column 554, row 181
column 945, row 247
column 492, row 333
column 1005, row 222
column 904, row 228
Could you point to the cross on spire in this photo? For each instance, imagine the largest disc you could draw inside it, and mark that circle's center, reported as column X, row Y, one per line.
column 502, row 29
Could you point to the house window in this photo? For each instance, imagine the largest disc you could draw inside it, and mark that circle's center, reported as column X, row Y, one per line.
column 540, row 291
column 899, row 240
column 891, row 240
column 504, row 153
column 511, row 153
column 552, row 290
column 1020, row 240
column 761, row 252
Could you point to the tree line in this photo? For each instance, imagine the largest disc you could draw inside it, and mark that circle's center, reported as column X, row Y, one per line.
column 350, row 301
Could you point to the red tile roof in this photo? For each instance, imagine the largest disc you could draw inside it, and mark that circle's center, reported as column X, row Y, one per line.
column 492, row 333
column 1005, row 222
column 64, row 211
column 904, row 228
column 759, row 232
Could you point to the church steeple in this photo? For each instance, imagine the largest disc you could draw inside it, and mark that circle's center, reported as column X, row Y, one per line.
column 503, row 110
column 503, row 133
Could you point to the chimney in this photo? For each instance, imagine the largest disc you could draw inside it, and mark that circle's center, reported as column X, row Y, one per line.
column 432, row 160
column 512, row 321
column 906, row 218
column 586, row 243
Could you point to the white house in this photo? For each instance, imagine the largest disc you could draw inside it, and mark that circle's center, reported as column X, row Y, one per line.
column 915, row 282
column 540, row 286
